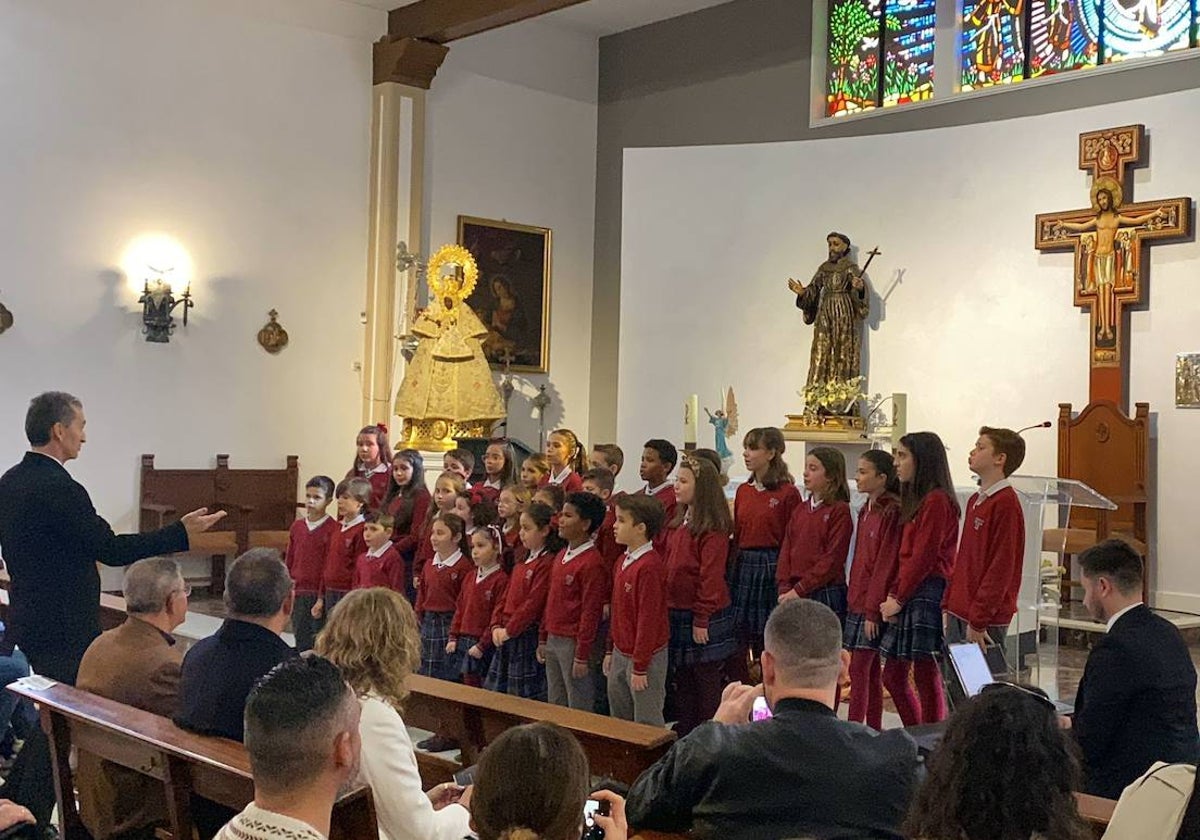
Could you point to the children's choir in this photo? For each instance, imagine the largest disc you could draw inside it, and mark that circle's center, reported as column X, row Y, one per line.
column 543, row 582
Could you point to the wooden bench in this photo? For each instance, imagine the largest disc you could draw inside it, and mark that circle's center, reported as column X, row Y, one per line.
column 215, row 768
column 254, row 499
column 474, row 717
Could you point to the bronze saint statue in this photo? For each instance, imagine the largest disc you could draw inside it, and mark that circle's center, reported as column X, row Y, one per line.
column 836, row 303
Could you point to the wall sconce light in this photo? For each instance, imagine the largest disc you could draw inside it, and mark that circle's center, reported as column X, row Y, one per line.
column 158, row 302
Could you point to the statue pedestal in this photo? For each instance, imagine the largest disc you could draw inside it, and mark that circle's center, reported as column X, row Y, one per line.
column 848, row 435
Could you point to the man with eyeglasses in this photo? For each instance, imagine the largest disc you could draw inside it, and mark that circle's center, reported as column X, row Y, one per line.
column 137, row 664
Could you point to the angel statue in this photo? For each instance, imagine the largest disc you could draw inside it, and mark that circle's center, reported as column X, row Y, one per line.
column 725, row 425
column 448, row 391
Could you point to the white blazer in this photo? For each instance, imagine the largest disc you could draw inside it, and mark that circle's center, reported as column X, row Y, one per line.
column 389, row 766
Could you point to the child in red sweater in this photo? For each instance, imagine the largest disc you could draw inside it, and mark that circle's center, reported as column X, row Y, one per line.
column 876, row 550
column 565, row 455
column 701, row 622
column 459, row 462
column 599, row 482
column 445, row 493
column 982, row 598
column 499, row 469
column 535, row 471
column 353, row 496
column 579, row 589
column 407, row 502
column 636, row 664
column 373, row 461
column 913, row 609
column 481, row 594
column 659, row 458
column 816, row 545
column 380, row 564
column 762, row 509
column 440, row 586
column 510, row 504
column 551, row 495
column 515, row 667
column 308, row 546
column 607, row 456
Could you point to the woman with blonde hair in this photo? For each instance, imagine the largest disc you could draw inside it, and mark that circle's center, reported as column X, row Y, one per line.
column 372, row 638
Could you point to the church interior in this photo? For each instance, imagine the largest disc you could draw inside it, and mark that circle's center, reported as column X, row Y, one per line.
column 637, row 180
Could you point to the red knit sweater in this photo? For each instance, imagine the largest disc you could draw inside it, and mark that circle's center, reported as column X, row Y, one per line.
column 344, row 546
column 477, row 600
column 815, row 547
column 876, row 552
column 306, row 553
column 386, row 570
column 696, row 573
column 579, row 589
column 760, row 517
column 640, row 627
column 927, row 545
column 410, row 515
column 987, row 574
column 525, row 600
column 440, row 585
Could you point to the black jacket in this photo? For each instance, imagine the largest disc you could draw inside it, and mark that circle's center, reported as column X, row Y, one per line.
column 218, row 673
column 803, row 773
column 51, row 539
column 1136, row 703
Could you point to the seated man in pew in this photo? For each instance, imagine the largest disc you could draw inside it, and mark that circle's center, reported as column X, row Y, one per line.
column 301, row 729
column 136, row 664
column 803, row 773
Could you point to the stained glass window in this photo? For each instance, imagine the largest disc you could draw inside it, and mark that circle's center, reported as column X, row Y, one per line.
column 993, row 43
column 908, row 68
column 853, row 82
column 1064, row 35
column 1134, row 28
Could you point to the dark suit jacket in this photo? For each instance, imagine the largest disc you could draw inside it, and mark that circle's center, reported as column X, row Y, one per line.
column 218, row 673
column 138, row 665
column 1136, row 702
column 804, row 773
column 51, row 538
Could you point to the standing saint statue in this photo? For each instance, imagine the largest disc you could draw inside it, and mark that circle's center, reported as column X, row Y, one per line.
column 836, row 303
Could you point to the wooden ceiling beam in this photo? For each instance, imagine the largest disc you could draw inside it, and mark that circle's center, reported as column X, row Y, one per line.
column 442, row 21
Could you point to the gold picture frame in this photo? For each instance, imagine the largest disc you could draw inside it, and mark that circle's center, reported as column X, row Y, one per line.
column 513, row 295
column 1187, row 380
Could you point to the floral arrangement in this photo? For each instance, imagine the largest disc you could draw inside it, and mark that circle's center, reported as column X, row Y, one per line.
column 837, row 397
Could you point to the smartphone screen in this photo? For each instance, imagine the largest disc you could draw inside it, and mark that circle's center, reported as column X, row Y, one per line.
column 760, row 711
column 589, row 808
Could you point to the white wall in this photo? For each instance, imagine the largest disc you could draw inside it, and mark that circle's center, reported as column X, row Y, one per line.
column 512, row 135
column 242, row 129
column 981, row 327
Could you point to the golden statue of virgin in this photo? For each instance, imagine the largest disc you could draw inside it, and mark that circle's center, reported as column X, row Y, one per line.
column 448, row 391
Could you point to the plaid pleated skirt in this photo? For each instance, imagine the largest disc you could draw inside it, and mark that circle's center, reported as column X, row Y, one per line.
column 854, row 636
column 917, row 631
column 682, row 651
column 753, row 589
column 435, row 633
column 515, row 669
column 834, row 597
column 469, row 664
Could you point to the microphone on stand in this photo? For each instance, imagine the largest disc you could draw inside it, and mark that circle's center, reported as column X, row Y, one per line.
column 1045, row 424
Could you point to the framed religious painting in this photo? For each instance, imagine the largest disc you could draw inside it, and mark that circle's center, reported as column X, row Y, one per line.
column 512, row 297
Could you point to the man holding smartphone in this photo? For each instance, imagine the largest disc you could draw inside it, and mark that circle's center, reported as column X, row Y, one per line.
column 841, row 779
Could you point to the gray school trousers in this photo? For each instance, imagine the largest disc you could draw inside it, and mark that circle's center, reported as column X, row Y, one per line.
column 561, row 688
column 639, row 706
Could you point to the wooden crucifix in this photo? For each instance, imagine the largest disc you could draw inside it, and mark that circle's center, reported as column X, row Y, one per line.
column 1111, row 266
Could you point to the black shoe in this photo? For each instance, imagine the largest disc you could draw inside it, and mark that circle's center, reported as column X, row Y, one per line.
column 437, row 744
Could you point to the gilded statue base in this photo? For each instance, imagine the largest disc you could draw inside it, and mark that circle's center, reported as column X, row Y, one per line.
column 439, row 434
column 828, row 428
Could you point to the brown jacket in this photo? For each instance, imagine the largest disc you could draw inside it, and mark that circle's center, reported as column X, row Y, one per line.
column 137, row 665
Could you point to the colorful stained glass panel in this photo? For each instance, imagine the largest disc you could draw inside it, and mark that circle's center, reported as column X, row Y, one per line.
column 1064, row 35
column 993, row 43
column 852, row 84
column 1134, row 28
column 908, row 51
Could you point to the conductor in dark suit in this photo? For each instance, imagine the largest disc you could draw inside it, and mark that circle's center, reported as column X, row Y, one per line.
column 51, row 539
column 1137, row 699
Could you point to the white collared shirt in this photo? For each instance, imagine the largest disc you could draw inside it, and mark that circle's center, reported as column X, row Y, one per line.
column 346, row 526
column 533, row 555
column 378, row 468
column 632, row 557
column 312, row 526
column 571, row 553
column 483, row 574
column 561, row 477
column 654, row 491
column 994, row 489
column 379, row 552
column 814, row 501
column 1112, row 619
column 756, row 484
column 448, row 562
column 493, row 485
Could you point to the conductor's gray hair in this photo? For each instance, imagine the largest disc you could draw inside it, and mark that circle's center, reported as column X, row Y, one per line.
column 149, row 583
column 805, row 638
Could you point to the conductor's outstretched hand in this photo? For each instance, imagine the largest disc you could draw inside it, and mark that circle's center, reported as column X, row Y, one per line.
column 199, row 521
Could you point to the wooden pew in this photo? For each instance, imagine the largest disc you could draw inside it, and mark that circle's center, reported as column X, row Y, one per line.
column 1096, row 810
column 215, row 768
column 617, row 749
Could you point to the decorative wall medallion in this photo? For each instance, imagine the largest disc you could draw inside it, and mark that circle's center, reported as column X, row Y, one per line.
column 273, row 337
column 6, row 319
column 1187, row 379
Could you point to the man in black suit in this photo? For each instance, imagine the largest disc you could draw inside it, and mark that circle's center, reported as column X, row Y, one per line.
column 51, row 538
column 803, row 773
column 1137, row 699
